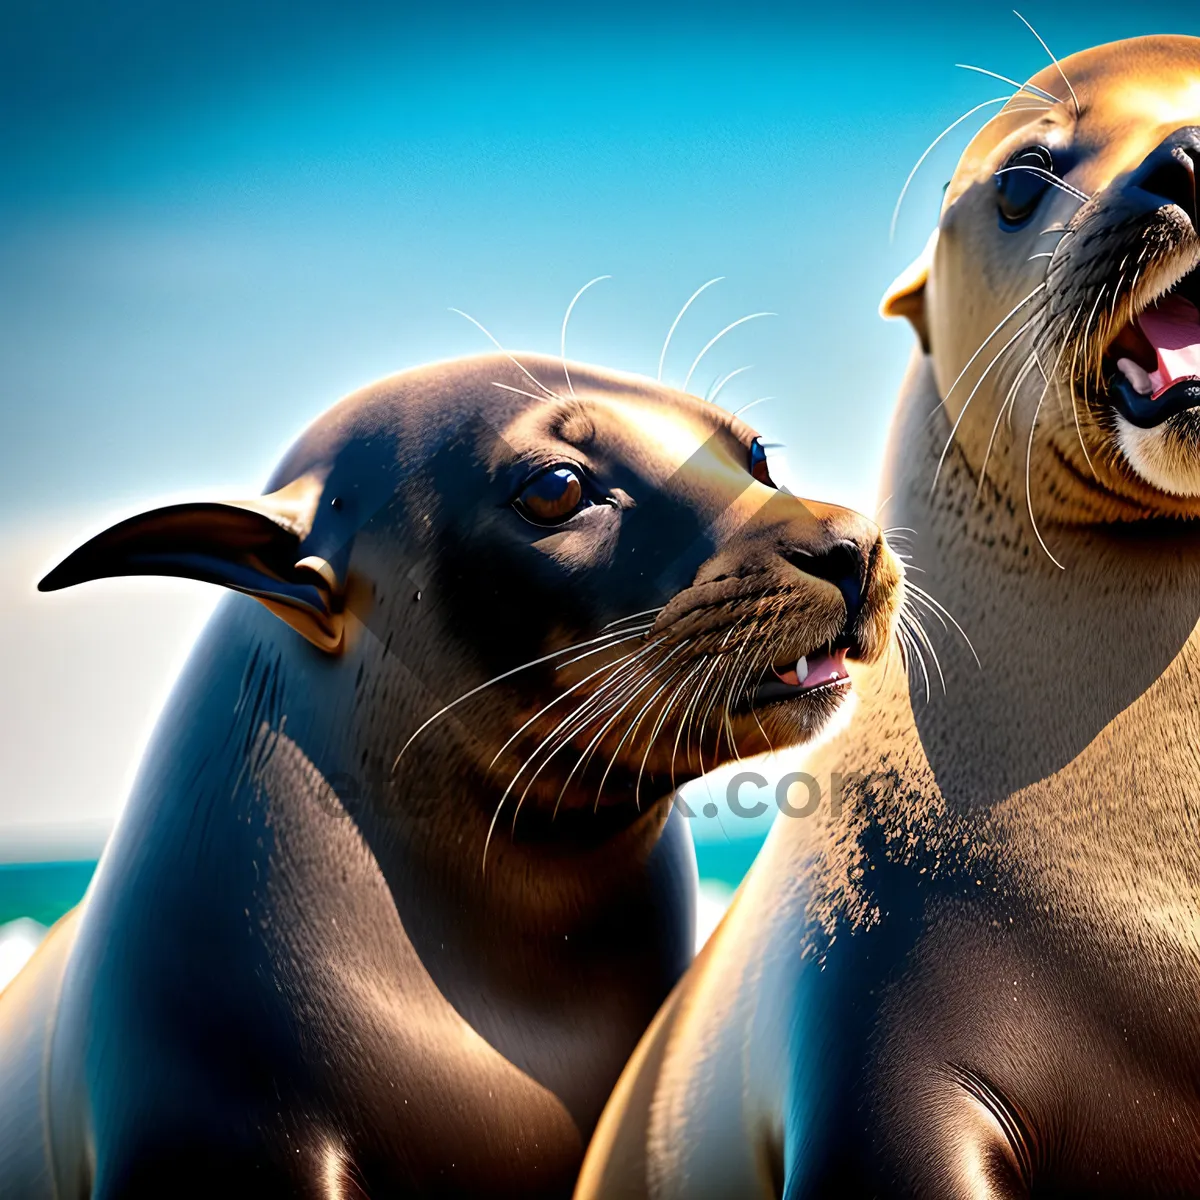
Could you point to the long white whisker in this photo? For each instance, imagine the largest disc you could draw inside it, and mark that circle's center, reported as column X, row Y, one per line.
column 570, row 723
column 1022, row 375
column 1050, row 178
column 1012, row 312
column 1028, row 497
column 628, row 732
column 524, row 370
column 919, row 631
column 737, row 412
column 658, row 724
column 664, row 712
column 645, row 612
column 585, row 757
column 626, row 635
column 907, row 640
column 962, row 412
column 1074, row 358
column 1021, row 87
column 606, row 638
column 714, row 340
column 519, row 391
column 562, row 696
column 662, row 358
column 621, row 702
column 922, row 595
column 1054, row 60
column 562, row 342
column 712, row 396
column 929, row 150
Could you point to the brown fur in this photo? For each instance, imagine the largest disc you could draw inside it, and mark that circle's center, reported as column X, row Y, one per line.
column 982, row 976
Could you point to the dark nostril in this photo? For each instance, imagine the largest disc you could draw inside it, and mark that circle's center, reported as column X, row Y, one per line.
column 843, row 565
column 1169, row 172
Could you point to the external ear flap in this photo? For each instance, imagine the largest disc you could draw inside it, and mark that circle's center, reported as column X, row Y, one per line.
column 251, row 546
column 906, row 296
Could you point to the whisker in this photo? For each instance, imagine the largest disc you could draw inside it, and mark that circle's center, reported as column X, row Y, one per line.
column 1028, row 497
column 963, row 411
column 910, row 644
column 524, row 370
column 928, row 151
column 1050, row 178
column 630, row 731
column 519, row 391
column 915, row 627
column 1074, row 397
column 563, row 338
column 716, row 391
column 607, row 638
column 714, row 340
column 737, row 412
column 1021, row 87
column 1012, row 312
column 571, row 725
column 626, row 636
column 1022, row 375
column 662, row 358
column 685, row 720
column 658, row 724
column 581, row 761
column 1074, row 98
column 619, row 667
column 645, row 612
column 560, row 697
column 922, row 596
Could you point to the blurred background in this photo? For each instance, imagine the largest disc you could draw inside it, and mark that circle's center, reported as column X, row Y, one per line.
column 216, row 217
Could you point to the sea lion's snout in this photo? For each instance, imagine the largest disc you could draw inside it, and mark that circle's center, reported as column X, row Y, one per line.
column 844, row 564
column 1153, row 361
column 849, row 564
column 816, row 584
column 1169, row 171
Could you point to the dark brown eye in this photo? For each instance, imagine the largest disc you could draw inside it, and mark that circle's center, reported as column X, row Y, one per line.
column 1021, row 183
column 552, row 497
column 758, row 463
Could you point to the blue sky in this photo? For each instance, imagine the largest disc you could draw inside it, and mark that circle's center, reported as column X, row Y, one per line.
column 216, row 218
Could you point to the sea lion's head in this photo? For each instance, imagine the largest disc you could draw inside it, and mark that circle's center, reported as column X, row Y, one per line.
column 1060, row 296
column 582, row 587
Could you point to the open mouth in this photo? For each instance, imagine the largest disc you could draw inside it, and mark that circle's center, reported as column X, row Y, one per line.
column 1153, row 364
column 821, row 671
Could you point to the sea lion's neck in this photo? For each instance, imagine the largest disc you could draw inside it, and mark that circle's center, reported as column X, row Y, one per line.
column 1062, row 651
column 283, row 810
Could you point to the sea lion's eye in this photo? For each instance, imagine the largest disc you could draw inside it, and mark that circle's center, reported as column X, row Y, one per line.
column 758, row 463
column 1021, row 183
column 552, row 497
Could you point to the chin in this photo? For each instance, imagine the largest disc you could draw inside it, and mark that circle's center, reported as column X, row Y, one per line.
column 1167, row 456
column 807, row 720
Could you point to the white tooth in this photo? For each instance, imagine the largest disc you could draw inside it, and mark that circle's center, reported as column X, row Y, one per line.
column 1136, row 375
column 802, row 668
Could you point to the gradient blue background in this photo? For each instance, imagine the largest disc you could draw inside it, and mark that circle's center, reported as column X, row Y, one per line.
column 215, row 218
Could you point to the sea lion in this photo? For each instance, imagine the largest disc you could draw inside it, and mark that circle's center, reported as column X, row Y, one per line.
column 982, row 979
column 400, row 884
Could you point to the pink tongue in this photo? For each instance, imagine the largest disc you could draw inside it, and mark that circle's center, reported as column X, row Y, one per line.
column 825, row 668
column 822, row 668
column 1172, row 327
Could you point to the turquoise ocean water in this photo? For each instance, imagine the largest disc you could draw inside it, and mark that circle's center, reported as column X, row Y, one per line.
column 44, row 891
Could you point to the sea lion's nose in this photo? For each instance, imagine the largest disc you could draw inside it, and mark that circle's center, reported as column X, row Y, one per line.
column 844, row 564
column 1168, row 172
